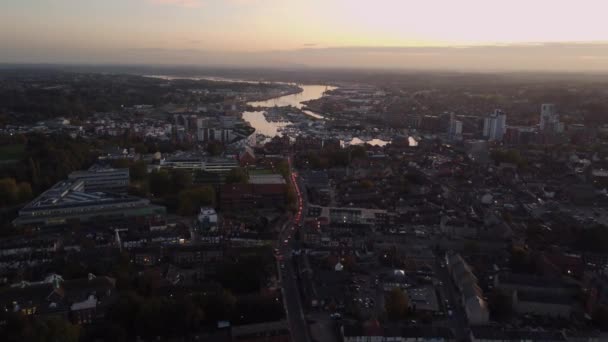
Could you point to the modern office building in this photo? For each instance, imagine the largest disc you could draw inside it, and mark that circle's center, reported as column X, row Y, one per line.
column 99, row 178
column 204, row 170
column 455, row 129
column 547, row 114
column 515, row 135
column 549, row 119
column 193, row 163
column 216, row 129
column 68, row 202
column 495, row 125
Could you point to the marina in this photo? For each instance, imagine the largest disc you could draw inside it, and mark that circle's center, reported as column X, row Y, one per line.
column 286, row 116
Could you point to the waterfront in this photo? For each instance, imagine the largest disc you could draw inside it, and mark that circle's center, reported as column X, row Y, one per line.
column 299, row 124
column 272, row 128
column 309, row 92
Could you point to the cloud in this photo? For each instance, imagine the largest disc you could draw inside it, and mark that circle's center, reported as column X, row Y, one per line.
column 179, row 3
column 569, row 57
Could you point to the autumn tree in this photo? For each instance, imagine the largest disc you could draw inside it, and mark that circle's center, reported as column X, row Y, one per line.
column 397, row 304
column 160, row 183
column 8, row 191
column 190, row 200
column 237, row 176
column 180, row 179
column 138, row 170
column 600, row 317
column 12, row 193
column 501, row 305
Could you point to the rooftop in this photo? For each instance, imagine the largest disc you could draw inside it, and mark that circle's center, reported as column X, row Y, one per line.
column 70, row 193
column 274, row 178
column 495, row 333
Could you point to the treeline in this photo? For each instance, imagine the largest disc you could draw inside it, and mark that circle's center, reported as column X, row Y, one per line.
column 42, row 94
column 12, row 193
column 46, row 159
column 173, row 188
column 76, row 95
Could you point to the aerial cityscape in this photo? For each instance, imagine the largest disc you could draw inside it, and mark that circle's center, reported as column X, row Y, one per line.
column 276, row 171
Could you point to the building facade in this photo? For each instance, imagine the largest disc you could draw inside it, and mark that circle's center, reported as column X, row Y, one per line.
column 103, row 179
column 494, row 126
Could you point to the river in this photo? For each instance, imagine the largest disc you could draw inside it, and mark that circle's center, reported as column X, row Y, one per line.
column 267, row 128
column 270, row 129
column 309, row 92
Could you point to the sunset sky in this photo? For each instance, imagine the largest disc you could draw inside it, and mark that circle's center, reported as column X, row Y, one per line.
column 486, row 34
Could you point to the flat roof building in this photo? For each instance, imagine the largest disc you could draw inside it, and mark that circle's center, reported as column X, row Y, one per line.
column 272, row 178
column 69, row 202
column 220, row 165
column 99, row 178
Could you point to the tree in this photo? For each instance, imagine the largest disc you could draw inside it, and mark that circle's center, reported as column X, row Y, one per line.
column 49, row 159
column 149, row 320
column 12, row 193
column 123, row 311
column 357, row 152
column 257, row 309
column 217, row 305
column 191, row 200
column 215, row 148
column 139, row 189
column 508, row 156
column 471, row 247
column 521, row 261
column 237, row 176
column 141, row 148
column 397, row 304
column 292, row 199
column 316, row 162
column 283, row 169
column 138, row 170
column 24, row 192
column 120, row 163
column 181, row 179
column 366, row 184
column 501, row 305
column 9, row 192
column 55, row 329
column 15, row 327
column 247, row 273
column 404, row 184
column 160, row 183
column 600, row 317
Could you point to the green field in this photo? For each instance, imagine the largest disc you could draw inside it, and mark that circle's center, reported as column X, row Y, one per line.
column 11, row 152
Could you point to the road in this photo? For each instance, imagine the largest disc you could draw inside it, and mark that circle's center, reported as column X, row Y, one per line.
column 458, row 322
column 298, row 325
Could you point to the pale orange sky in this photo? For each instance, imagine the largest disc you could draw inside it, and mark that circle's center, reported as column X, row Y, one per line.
column 251, row 31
